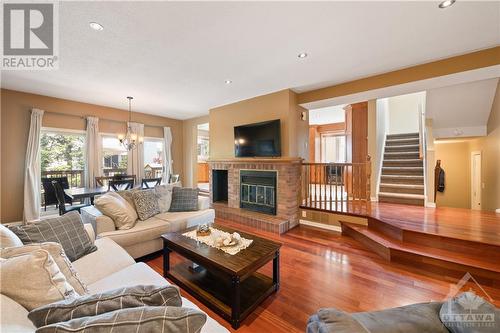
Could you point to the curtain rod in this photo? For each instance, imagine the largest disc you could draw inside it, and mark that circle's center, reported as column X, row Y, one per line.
column 106, row 119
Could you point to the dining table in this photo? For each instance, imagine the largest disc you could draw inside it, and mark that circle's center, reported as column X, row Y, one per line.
column 77, row 193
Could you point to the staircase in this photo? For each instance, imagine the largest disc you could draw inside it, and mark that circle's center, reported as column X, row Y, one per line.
column 402, row 178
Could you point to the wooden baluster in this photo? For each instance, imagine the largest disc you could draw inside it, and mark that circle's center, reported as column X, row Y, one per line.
column 330, row 186
column 342, row 188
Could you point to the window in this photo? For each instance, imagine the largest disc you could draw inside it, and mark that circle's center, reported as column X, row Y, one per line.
column 153, row 157
column 114, row 156
column 333, row 148
column 62, row 155
column 203, row 145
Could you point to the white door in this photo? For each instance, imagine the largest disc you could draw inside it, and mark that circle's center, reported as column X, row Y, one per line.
column 476, row 180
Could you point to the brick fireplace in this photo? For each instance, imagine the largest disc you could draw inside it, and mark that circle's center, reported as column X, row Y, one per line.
column 275, row 210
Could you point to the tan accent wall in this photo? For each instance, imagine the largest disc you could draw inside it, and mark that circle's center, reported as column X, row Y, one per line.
column 15, row 111
column 279, row 105
column 461, row 63
column 190, row 131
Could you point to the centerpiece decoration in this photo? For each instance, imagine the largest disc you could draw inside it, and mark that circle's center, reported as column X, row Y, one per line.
column 230, row 243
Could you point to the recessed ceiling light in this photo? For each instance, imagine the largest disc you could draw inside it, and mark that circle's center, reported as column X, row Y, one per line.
column 228, row 82
column 96, row 26
column 302, row 55
column 446, row 3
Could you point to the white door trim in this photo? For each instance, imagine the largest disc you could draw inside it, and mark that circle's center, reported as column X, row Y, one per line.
column 472, row 174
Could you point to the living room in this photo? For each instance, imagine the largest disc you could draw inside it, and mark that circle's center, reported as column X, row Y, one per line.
column 319, row 171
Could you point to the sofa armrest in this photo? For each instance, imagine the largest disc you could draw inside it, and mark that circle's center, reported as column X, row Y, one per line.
column 101, row 223
column 203, row 202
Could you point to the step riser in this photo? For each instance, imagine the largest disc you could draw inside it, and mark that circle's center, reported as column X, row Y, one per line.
column 405, row 172
column 397, row 163
column 402, row 136
column 401, row 142
column 399, row 156
column 369, row 243
column 413, row 149
column 389, row 189
column 403, row 201
column 395, row 180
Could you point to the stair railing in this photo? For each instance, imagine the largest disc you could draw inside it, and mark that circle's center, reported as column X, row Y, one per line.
column 336, row 187
column 421, row 132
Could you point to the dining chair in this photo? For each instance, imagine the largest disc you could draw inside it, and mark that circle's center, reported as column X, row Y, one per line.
column 174, row 178
column 49, row 194
column 60, row 195
column 151, row 182
column 120, row 184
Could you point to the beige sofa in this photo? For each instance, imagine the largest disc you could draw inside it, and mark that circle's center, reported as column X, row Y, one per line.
column 144, row 237
column 109, row 267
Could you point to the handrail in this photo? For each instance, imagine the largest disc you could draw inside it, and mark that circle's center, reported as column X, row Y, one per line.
column 336, row 187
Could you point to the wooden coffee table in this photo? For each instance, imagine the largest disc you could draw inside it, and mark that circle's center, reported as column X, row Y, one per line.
column 228, row 284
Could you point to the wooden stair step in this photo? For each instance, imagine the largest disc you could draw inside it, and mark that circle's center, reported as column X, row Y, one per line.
column 402, row 135
column 392, row 249
column 402, row 170
column 402, row 198
column 402, row 188
column 402, row 148
column 400, row 155
column 405, row 141
column 408, row 162
column 403, row 179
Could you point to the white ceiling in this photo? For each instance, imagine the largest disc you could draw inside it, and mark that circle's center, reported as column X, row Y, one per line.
column 461, row 110
column 173, row 57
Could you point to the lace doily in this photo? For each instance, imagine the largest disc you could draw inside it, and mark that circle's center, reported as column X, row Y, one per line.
column 216, row 233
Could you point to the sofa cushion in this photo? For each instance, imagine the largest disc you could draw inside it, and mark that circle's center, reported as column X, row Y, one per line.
column 128, row 297
column 184, row 199
column 128, row 195
column 146, row 204
column 469, row 304
column 333, row 320
column 57, row 253
column 414, row 318
column 8, row 238
column 14, row 317
column 34, row 279
column 182, row 220
column 118, row 209
column 108, row 259
column 164, row 196
column 135, row 320
column 142, row 231
column 66, row 230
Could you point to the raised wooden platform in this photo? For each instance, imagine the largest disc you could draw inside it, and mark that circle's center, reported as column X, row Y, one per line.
column 259, row 221
column 448, row 240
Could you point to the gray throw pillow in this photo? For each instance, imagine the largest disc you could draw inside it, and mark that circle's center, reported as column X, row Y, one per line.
column 66, row 230
column 146, row 204
column 184, row 199
column 143, row 319
column 105, row 302
column 469, row 313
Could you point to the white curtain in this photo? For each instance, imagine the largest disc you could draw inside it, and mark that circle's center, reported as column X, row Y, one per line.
column 93, row 163
column 32, row 175
column 135, row 165
column 167, row 154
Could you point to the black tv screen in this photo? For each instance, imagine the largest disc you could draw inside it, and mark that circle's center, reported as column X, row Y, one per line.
column 258, row 140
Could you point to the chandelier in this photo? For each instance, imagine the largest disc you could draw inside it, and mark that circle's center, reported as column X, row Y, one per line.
column 130, row 140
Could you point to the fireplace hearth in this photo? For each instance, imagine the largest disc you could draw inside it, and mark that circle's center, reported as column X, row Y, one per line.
column 258, row 191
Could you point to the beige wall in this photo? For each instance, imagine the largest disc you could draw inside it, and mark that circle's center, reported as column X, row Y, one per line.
column 190, row 130
column 279, row 105
column 15, row 113
column 403, row 112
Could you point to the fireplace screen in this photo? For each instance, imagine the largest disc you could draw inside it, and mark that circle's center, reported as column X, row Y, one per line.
column 258, row 191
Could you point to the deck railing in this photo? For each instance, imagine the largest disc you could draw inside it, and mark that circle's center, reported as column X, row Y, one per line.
column 75, row 177
column 336, row 187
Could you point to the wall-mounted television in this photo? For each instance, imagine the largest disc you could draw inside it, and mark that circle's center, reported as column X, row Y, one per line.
column 258, row 139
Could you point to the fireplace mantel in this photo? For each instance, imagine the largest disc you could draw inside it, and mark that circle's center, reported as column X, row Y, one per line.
column 258, row 160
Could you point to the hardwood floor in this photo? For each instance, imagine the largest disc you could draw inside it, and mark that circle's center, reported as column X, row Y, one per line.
column 322, row 268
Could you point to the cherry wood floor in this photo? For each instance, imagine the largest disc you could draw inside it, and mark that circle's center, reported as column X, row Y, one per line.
column 322, row 268
column 465, row 224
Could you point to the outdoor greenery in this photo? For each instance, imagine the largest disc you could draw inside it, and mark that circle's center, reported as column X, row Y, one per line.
column 62, row 151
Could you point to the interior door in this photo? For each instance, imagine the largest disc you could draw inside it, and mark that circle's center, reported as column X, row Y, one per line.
column 476, row 180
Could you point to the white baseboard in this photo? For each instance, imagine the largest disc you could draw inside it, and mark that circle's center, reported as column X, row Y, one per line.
column 497, row 211
column 374, row 199
column 321, row 225
column 430, row 204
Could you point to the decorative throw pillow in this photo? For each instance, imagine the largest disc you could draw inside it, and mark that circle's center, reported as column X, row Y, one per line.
column 33, row 280
column 108, row 301
column 146, row 204
column 128, row 195
column 118, row 209
column 60, row 258
column 145, row 319
column 8, row 238
column 66, row 230
column 184, row 199
column 164, row 196
column 455, row 314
